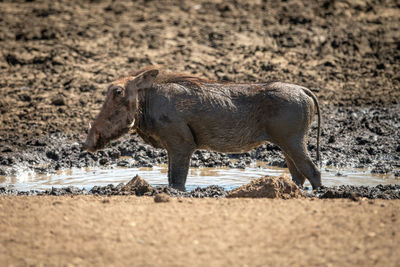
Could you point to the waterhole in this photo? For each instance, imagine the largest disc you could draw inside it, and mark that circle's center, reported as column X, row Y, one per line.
column 227, row 178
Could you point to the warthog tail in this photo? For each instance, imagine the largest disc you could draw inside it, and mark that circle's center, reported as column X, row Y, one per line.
column 311, row 94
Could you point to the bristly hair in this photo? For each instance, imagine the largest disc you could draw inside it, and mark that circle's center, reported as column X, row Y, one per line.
column 165, row 77
column 192, row 83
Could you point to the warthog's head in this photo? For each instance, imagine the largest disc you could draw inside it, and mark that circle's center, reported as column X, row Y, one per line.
column 117, row 116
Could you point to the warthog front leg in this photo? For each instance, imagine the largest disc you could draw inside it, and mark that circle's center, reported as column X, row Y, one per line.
column 178, row 167
column 180, row 146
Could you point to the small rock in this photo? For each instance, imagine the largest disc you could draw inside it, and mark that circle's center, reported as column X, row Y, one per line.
column 123, row 163
column 51, row 154
column 58, row 101
column 103, row 161
column 6, row 149
column 162, row 197
column 353, row 196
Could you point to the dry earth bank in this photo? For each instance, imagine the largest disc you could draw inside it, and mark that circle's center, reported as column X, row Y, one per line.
column 128, row 230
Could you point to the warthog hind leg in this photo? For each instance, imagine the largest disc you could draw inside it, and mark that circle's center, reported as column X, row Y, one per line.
column 296, row 149
column 297, row 177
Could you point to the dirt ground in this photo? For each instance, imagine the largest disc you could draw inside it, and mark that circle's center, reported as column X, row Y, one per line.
column 136, row 231
column 57, row 57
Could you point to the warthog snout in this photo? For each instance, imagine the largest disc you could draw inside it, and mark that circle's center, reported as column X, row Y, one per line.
column 93, row 140
column 117, row 116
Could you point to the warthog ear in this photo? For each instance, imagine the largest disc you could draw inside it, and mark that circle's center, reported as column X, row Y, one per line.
column 143, row 80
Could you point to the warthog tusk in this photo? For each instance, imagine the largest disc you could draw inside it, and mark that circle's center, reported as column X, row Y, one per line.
column 90, row 126
column 132, row 124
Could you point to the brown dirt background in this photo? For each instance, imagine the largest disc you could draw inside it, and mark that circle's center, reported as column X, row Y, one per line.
column 56, row 58
column 136, row 231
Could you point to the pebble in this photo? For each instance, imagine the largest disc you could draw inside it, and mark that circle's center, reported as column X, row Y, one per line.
column 162, row 197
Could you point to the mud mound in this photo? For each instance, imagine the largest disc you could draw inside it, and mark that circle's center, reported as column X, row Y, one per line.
column 268, row 187
column 138, row 186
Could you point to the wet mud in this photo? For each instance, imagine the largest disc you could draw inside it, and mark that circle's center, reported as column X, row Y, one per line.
column 57, row 58
column 265, row 187
column 357, row 192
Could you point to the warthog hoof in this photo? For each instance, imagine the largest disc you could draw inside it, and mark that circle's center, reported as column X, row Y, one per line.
column 180, row 187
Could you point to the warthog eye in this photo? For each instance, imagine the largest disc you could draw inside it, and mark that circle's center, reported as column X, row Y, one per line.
column 118, row 91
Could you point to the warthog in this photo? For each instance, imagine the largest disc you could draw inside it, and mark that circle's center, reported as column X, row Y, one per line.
column 182, row 113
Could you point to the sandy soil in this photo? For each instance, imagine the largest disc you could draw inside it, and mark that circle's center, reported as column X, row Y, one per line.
column 136, row 231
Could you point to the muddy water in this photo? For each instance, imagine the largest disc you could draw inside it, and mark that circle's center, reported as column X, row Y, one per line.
column 225, row 177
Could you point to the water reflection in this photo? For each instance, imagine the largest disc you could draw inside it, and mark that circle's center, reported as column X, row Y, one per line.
column 225, row 177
